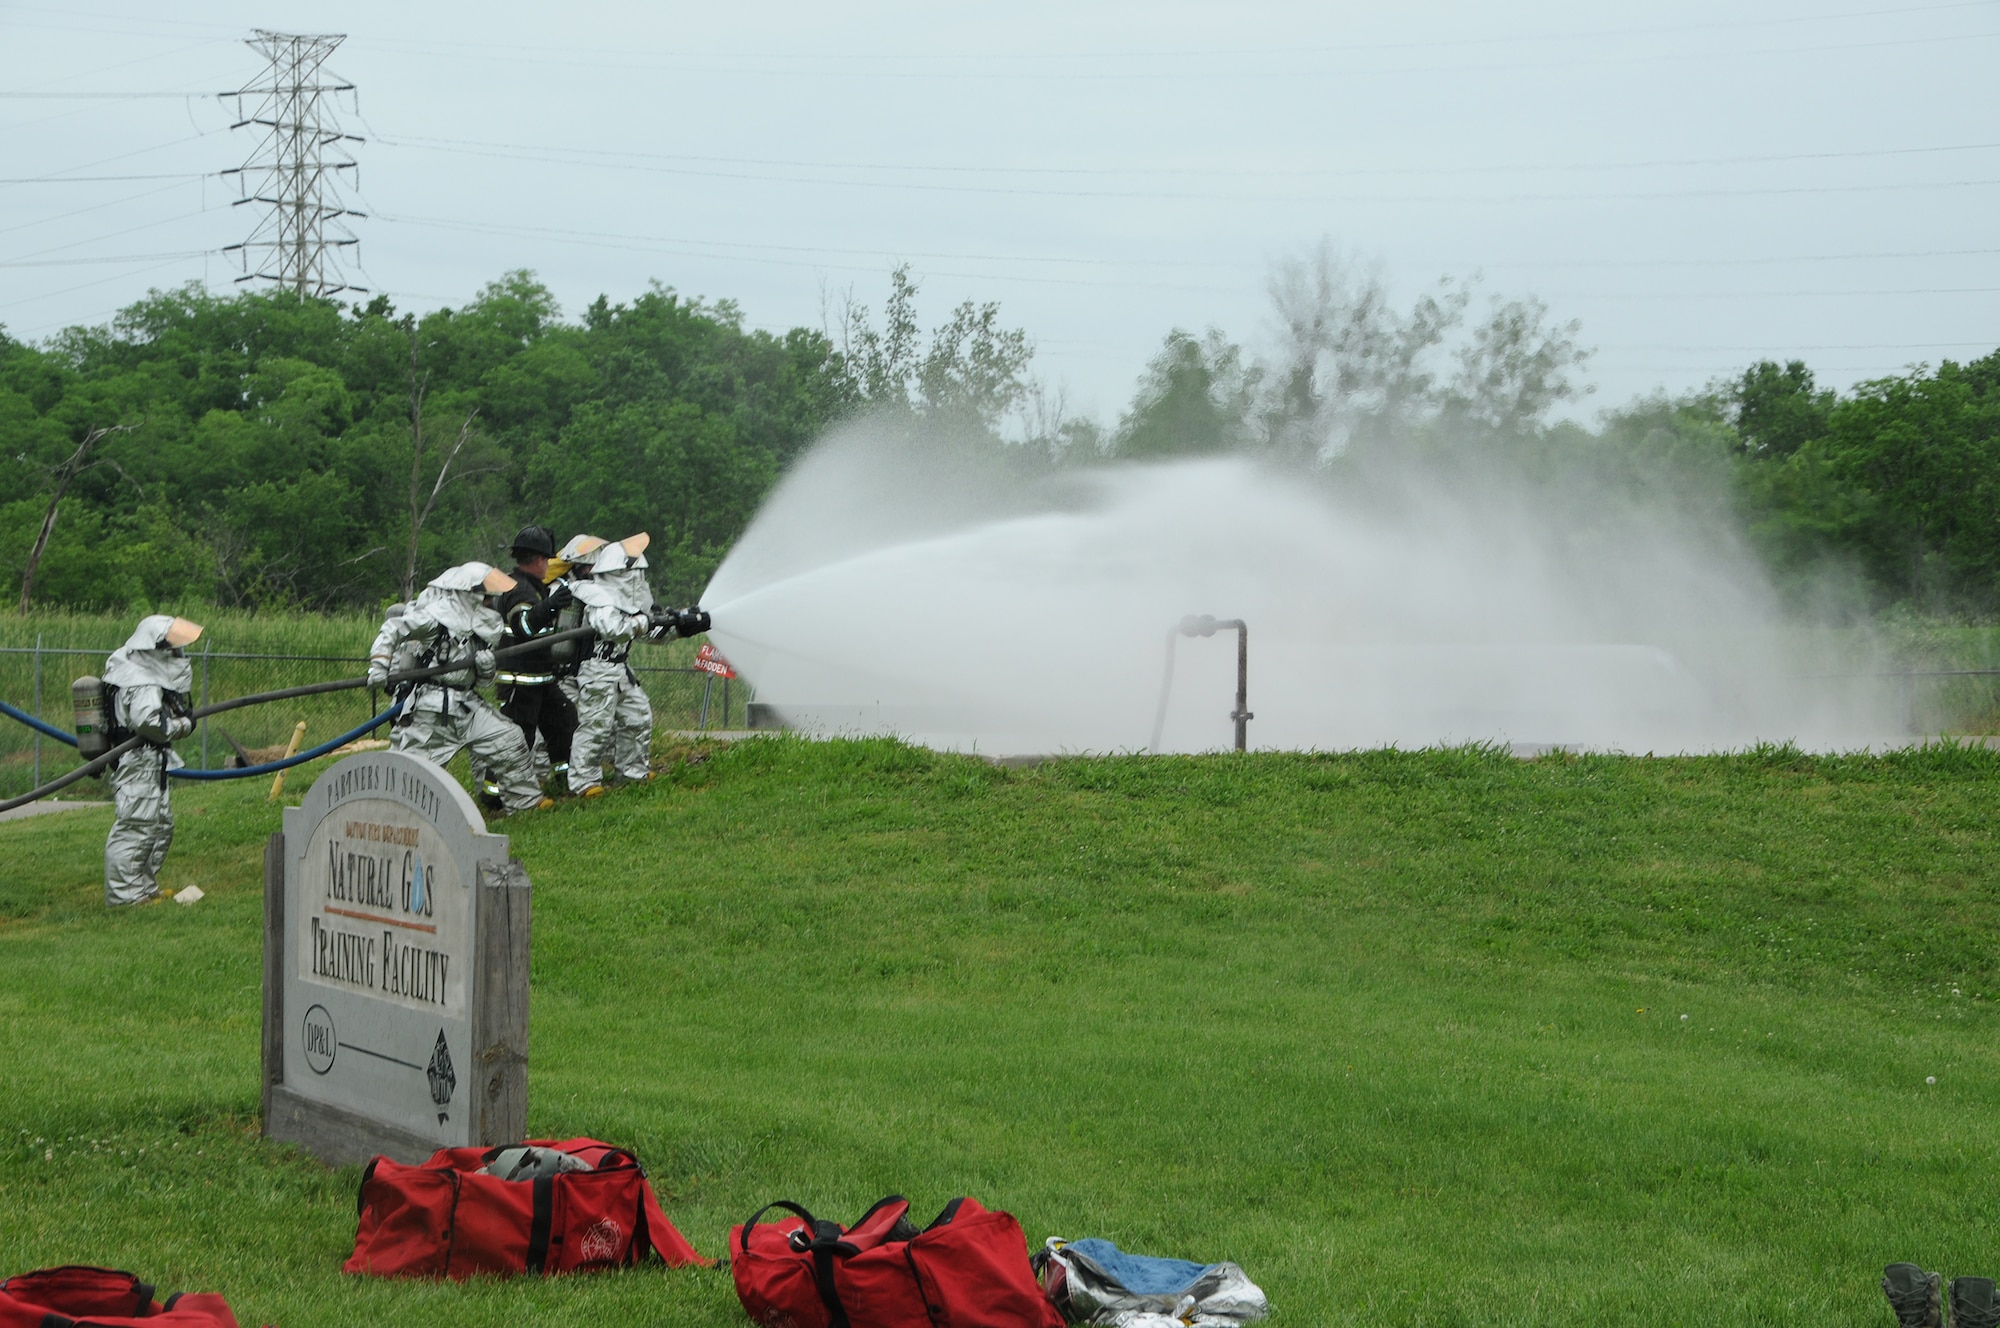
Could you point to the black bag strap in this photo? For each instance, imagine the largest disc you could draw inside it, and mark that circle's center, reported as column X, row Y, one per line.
column 538, row 1226
column 944, row 1219
column 826, row 1243
column 451, row 1222
column 823, row 1243
column 361, row 1191
column 786, row 1204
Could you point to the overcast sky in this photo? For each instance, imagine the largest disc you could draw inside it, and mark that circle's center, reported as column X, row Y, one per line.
column 1702, row 184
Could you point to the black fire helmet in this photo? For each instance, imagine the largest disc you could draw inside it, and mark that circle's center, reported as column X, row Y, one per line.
column 535, row 541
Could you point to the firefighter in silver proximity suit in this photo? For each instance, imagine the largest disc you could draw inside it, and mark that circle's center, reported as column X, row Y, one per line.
column 445, row 715
column 152, row 679
column 614, row 719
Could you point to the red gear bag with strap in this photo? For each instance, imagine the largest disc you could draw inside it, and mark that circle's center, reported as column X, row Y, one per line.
column 445, row 1219
column 77, row 1296
column 967, row 1269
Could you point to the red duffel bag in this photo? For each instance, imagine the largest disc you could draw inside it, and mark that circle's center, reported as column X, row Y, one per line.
column 967, row 1269
column 77, row 1296
column 448, row 1218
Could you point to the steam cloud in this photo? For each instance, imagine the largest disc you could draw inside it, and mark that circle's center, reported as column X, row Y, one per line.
column 893, row 584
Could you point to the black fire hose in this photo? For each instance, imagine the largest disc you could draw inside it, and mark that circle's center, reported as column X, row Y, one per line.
column 90, row 768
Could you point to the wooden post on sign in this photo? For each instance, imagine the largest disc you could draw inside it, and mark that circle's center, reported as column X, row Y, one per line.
column 291, row 750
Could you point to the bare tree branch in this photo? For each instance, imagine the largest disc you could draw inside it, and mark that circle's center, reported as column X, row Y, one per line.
column 66, row 472
column 464, row 433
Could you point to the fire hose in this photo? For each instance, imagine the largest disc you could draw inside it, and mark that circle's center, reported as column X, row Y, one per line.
column 90, row 768
column 238, row 772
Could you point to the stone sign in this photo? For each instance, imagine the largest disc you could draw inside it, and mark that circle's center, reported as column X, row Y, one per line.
column 395, row 968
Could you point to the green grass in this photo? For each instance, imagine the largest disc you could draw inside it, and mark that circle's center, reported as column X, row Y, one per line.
column 1402, row 1033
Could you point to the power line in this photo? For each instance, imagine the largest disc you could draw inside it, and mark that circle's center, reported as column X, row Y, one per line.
column 105, row 96
column 118, row 258
column 1287, row 172
column 1763, row 261
column 1770, row 350
column 848, row 68
column 853, row 65
column 938, row 66
column 1754, row 191
column 661, row 245
column 1768, row 295
column 106, row 179
column 1150, row 264
column 1520, row 38
column 73, row 244
column 63, row 175
column 77, row 212
column 101, row 281
column 645, row 244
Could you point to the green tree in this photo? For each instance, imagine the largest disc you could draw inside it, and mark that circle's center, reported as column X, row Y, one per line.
column 1518, row 365
column 973, row 373
column 1195, row 399
column 670, row 468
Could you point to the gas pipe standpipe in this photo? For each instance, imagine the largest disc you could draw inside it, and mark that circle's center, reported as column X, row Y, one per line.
column 1207, row 624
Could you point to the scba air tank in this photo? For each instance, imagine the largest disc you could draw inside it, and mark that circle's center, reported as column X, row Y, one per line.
column 568, row 618
column 93, row 722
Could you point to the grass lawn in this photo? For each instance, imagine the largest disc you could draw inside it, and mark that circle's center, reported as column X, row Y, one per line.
column 1418, row 1038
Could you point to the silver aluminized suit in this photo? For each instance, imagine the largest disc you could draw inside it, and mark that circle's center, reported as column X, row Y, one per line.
column 153, row 683
column 444, row 716
column 614, row 719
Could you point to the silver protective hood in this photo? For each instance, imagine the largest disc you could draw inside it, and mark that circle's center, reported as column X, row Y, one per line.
column 617, row 580
column 465, row 576
column 143, row 662
column 625, row 590
column 459, row 612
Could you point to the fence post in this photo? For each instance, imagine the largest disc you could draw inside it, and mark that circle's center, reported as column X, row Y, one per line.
column 725, row 701
column 38, row 708
column 206, row 646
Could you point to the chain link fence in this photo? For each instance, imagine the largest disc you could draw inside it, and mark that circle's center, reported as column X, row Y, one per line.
column 37, row 679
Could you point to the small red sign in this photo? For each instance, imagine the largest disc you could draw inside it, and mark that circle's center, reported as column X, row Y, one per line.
column 709, row 660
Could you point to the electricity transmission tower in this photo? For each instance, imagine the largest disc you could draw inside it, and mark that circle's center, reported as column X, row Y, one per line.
column 295, row 169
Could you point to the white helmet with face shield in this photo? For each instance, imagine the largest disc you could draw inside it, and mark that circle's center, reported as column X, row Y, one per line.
column 153, row 655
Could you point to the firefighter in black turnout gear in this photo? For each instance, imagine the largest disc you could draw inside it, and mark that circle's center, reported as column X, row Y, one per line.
column 526, row 684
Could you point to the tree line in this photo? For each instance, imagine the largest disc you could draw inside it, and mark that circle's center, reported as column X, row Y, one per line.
column 267, row 450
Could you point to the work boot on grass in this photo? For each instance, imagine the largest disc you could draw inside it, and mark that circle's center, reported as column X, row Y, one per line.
column 1914, row 1295
column 1975, row 1303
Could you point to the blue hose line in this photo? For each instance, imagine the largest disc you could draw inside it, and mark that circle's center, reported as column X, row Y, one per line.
column 36, row 724
column 242, row 773
column 312, row 755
